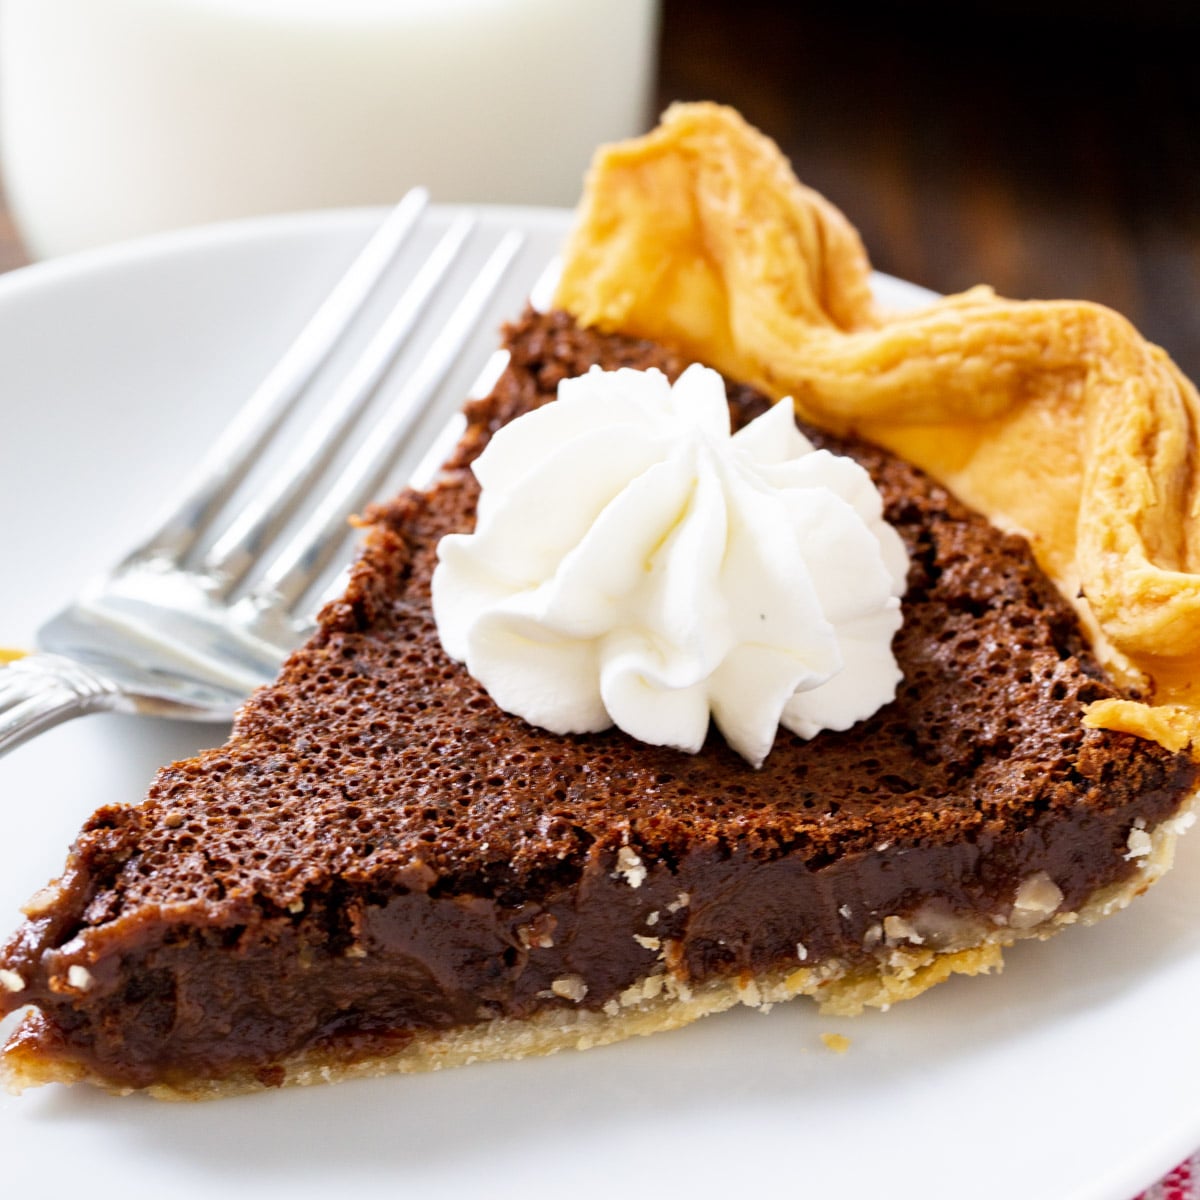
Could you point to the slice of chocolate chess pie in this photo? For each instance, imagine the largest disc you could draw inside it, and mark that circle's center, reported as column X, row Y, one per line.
column 521, row 818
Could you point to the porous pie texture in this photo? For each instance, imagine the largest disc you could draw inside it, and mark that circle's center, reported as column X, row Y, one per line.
column 1055, row 418
column 382, row 871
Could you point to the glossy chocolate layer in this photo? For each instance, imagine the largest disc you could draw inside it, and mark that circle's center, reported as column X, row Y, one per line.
column 378, row 850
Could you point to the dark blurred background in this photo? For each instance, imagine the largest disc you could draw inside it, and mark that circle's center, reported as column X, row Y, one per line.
column 1049, row 149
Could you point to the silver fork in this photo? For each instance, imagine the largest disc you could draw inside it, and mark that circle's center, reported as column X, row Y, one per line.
column 205, row 609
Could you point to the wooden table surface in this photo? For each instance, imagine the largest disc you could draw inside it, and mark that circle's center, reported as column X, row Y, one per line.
column 1047, row 156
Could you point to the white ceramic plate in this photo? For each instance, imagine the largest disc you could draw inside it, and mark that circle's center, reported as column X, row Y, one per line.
column 1070, row 1077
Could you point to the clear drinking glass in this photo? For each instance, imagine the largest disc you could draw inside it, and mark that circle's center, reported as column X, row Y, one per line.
column 124, row 117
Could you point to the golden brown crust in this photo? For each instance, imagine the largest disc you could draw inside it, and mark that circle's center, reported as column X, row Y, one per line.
column 1055, row 418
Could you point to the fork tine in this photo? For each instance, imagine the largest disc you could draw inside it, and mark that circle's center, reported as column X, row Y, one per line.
column 236, row 451
column 426, row 471
column 290, row 575
column 255, row 525
column 541, row 297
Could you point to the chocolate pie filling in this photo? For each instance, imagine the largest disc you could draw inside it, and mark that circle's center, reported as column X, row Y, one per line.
column 379, row 851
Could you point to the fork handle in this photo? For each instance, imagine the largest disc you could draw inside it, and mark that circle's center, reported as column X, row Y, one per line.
column 42, row 690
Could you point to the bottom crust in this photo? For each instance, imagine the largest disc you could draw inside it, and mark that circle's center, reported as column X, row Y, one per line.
column 653, row 1005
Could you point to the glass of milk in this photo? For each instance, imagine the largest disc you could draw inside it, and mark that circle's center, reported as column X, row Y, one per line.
column 125, row 117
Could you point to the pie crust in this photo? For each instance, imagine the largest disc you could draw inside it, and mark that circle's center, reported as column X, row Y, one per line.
column 1052, row 418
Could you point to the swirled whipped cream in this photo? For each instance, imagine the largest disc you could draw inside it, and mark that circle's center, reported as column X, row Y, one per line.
column 635, row 564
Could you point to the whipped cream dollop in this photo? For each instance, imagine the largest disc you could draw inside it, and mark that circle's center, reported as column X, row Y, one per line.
column 635, row 564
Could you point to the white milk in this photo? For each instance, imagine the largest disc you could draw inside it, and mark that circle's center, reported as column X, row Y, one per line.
column 123, row 117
